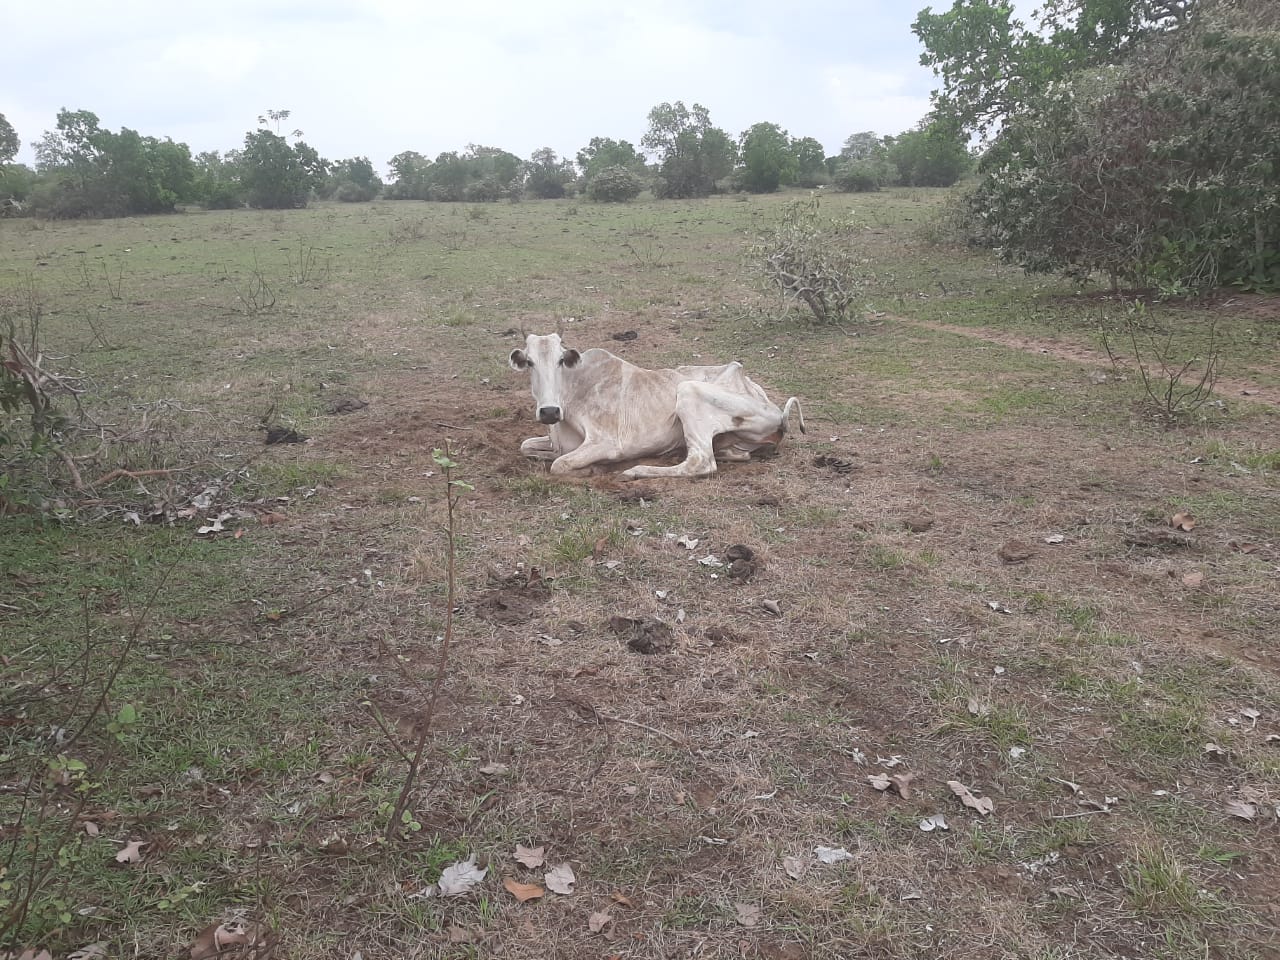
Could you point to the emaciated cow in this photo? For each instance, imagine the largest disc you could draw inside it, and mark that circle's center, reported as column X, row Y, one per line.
column 603, row 410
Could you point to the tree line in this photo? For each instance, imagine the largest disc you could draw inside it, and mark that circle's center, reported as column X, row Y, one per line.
column 84, row 170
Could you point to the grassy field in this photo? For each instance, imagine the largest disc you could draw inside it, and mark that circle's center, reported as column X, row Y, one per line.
column 1114, row 694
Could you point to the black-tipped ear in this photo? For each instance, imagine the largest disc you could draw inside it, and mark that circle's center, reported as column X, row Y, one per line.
column 518, row 360
column 570, row 358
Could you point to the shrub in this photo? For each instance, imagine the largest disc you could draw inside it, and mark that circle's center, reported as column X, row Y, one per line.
column 349, row 192
column 859, row 176
column 812, row 260
column 614, row 184
column 487, row 190
column 1164, row 171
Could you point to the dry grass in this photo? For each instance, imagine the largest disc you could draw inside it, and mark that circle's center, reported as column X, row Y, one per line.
column 676, row 784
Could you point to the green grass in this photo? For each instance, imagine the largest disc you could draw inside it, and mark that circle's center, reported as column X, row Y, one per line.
column 264, row 659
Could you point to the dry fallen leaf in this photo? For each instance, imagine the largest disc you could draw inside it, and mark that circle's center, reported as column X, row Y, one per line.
column 91, row 828
column 92, row 951
column 460, row 934
column 879, row 781
column 596, row 922
column 132, row 852
column 1241, row 810
column 531, row 857
column 32, row 955
column 903, row 783
column 1182, row 521
column 749, row 915
column 458, row 879
column 493, row 769
column 560, row 879
column 935, row 822
column 522, row 891
column 1193, row 579
column 621, row 898
column 795, row 867
column 983, row 805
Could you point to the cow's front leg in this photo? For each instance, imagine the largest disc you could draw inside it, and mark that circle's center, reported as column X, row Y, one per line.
column 582, row 458
column 538, row 448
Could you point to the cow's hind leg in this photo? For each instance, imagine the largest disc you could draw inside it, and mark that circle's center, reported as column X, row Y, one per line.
column 705, row 412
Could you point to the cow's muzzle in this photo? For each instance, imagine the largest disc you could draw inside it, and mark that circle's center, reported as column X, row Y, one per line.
column 548, row 415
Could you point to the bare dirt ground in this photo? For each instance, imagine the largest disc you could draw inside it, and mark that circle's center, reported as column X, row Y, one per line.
column 1075, row 353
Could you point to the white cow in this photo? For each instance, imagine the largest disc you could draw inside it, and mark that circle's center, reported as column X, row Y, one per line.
column 602, row 410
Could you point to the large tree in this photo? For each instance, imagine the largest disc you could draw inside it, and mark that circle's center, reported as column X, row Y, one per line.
column 277, row 174
column 603, row 152
column 767, row 158
column 693, row 154
column 991, row 63
column 9, row 142
column 548, row 174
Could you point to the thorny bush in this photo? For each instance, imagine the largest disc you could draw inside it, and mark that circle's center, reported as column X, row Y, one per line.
column 812, row 261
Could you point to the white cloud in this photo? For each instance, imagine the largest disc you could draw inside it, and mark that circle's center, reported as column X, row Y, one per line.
column 375, row 77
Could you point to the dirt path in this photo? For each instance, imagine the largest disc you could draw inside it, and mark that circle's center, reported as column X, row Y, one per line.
column 1074, row 353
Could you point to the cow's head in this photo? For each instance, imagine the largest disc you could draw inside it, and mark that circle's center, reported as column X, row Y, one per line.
column 546, row 359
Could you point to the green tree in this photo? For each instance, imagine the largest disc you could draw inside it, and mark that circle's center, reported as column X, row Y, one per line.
column 693, row 154
column 1163, row 170
column 602, row 153
column 991, row 63
column 88, row 171
column 767, row 159
column 935, row 154
column 810, row 161
column 74, row 147
column 148, row 175
column 548, row 174
column 354, row 180
column 277, row 175
column 411, row 176
column 863, row 164
column 217, row 184
column 9, row 142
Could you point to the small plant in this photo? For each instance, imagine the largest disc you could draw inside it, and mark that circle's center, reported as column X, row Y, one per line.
column 1174, row 387
column 114, row 285
column 812, row 260
column 307, row 266
column 399, row 818
column 647, row 253
column 255, row 295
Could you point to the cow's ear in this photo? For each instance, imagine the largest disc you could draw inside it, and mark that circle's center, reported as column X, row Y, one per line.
column 570, row 358
column 518, row 360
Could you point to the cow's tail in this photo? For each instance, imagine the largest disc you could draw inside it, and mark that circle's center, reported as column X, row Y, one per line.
column 792, row 404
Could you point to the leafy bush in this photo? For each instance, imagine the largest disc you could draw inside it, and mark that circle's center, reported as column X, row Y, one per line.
column 812, row 260
column 487, row 190
column 614, row 184
column 934, row 155
column 349, row 192
column 1162, row 171
column 860, row 176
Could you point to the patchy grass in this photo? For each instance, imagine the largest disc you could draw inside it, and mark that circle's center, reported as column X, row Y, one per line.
column 280, row 669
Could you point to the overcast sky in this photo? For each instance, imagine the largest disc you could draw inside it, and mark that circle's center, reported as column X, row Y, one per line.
column 375, row 77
